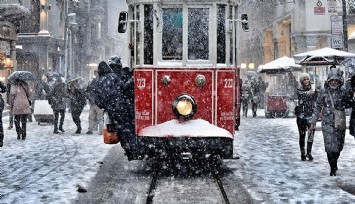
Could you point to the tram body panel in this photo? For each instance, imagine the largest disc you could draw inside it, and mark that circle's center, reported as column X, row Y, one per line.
column 215, row 100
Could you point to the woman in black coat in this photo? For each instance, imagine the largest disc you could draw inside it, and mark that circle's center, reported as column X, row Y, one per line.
column 350, row 85
column 332, row 97
column 306, row 102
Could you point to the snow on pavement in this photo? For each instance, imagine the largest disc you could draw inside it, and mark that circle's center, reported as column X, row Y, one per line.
column 272, row 170
column 47, row 167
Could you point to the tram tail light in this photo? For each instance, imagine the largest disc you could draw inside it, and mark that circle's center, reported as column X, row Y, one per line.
column 184, row 107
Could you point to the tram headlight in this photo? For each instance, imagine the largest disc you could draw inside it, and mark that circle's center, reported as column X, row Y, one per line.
column 184, row 107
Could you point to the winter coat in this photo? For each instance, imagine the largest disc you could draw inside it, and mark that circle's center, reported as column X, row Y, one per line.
column 57, row 95
column 306, row 102
column 246, row 92
column 108, row 91
column 90, row 91
column 18, row 99
column 127, row 83
column 333, row 138
column 77, row 98
column 350, row 86
column 2, row 90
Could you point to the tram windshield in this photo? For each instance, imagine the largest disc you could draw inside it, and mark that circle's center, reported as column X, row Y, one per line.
column 172, row 34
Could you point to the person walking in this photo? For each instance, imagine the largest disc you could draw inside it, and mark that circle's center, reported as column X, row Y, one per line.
column 246, row 95
column 255, row 98
column 57, row 99
column 77, row 101
column 332, row 98
column 11, row 116
column 350, row 85
column 95, row 113
column 307, row 99
column 20, row 106
column 2, row 105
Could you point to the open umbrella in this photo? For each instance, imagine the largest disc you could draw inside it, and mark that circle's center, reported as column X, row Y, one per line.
column 249, row 74
column 52, row 74
column 72, row 79
column 21, row 75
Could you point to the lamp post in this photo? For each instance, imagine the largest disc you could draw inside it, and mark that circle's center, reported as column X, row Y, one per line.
column 345, row 26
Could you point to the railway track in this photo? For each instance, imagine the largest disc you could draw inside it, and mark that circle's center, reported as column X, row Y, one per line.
column 213, row 174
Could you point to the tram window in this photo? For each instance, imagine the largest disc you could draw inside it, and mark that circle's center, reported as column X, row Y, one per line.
column 172, row 34
column 148, row 34
column 221, row 34
column 198, row 32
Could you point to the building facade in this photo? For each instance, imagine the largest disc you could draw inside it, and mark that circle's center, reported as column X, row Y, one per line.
column 287, row 27
column 11, row 12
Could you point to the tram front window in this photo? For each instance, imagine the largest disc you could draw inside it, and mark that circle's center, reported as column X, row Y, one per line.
column 172, row 34
column 198, row 30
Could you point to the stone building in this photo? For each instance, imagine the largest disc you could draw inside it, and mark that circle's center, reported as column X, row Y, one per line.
column 287, row 27
column 11, row 12
column 66, row 36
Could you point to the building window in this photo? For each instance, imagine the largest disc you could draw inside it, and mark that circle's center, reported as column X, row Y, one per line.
column 198, row 34
column 172, row 34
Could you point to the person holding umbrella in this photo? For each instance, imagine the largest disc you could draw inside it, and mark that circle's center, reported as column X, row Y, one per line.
column 20, row 105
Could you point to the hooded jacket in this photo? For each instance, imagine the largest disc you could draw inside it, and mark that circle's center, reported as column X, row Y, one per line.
column 333, row 138
column 107, row 92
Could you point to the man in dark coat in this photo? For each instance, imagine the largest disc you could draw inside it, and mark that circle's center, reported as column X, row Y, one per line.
column 2, row 105
column 109, row 96
column 332, row 97
column 77, row 100
column 350, row 86
column 57, row 99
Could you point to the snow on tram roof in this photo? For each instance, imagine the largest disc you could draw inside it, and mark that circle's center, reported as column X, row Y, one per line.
column 191, row 128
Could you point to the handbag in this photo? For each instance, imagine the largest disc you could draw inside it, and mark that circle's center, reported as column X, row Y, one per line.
column 109, row 132
column 339, row 116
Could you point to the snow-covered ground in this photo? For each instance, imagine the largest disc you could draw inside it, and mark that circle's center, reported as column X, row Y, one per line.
column 45, row 168
column 272, row 170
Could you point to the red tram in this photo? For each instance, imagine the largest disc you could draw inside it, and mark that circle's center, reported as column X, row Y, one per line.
column 183, row 55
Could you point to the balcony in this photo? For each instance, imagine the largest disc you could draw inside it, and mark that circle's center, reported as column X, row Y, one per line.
column 12, row 10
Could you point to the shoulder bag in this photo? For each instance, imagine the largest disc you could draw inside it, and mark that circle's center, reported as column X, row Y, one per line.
column 339, row 116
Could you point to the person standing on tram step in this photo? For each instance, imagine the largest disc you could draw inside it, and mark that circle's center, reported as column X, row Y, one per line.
column 20, row 106
column 332, row 97
column 306, row 102
column 57, row 99
column 109, row 96
column 77, row 101
column 2, row 105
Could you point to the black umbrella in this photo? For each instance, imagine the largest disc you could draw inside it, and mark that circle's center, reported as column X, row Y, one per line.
column 21, row 75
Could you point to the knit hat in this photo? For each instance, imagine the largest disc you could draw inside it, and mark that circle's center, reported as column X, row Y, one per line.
column 303, row 76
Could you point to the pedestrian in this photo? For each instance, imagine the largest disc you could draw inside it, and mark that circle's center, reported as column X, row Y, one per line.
column 333, row 98
column 246, row 95
column 238, row 92
column 11, row 116
column 109, row 96
column 350, row 84
column 20, row 106
column 255, row 98
column 57, row 100
column 2, row 105
column 95, row 113
column 306, row 103
column 77, row 101
column 262, row 88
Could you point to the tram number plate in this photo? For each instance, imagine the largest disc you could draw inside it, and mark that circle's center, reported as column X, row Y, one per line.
column 228, row 83
column 141, row 83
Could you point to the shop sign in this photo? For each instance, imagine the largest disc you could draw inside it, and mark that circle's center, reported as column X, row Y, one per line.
column 7, row 31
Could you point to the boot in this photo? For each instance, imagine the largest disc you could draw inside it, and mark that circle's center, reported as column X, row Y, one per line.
column 18, row 131
column 303, row 155
column 309, row 151
column 332, row 164
column 61, row 128
column 1, row 139
column 23, row 131
column 78, row 129
column 55, row 130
